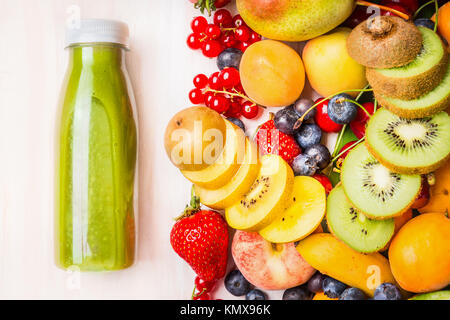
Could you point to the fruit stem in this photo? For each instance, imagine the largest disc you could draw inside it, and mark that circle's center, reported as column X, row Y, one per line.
column 233, row 94
column 436, row 15
column 348, row 148
column 370, row 4
column 192, row 208
column 421, row 7
column 359, row 105
column 338, row 140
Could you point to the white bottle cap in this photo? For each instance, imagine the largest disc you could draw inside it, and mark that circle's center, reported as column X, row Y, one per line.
column 97, row 31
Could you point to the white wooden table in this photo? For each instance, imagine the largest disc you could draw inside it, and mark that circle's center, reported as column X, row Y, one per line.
column 32, row 65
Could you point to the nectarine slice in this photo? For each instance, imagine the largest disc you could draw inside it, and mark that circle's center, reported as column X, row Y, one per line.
column 303, row 216
column 266, row 198
column 238, row 185
column 220, row 172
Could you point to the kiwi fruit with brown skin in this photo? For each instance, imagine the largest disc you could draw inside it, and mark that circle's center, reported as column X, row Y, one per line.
column 384, row 42
column 416, row 78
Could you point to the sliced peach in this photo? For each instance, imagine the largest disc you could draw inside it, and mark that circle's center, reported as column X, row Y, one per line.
column 332, row 257
column 238, row 185
column 303, row 216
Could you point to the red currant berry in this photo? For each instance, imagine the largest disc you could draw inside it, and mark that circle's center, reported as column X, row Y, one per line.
column 242, row 33
column 323, row 120
column 214, row 81
column 211, row 48
column 228, row 40
column 220, row 104
column 229, row 77
column 200, row 81
column 212, row 31
column 254, row 37
column 199, row 24
column 238, row 21
column 323, row 179
column 204, row 296
column 193, row 41
column 235, row 110
column 244, row 45
column 204, row 286
column 223, row 18
column 249, row 110
column 196, row 96
column 208, row 99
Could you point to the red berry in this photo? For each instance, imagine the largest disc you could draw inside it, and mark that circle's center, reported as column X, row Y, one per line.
column 234, row 111
column 359, row 15
column 208, row 99
column 396, row 7
column 196, row 96
column 214, row 81
column 325, row 181
column 249, row 110
column 229, row 77
column 323, row 120
column 242, row 33
column 220, row 104
column 193, row 41
column 254, row 37
column 200, row 81
column 204, row 286
column 223, row 18
column 358, row 125
column 211, row 48
column 244, row 45
column 212, row 31
column 349, row 146
column 199, row 24
column 410, row 5
column 204, row 296
column 228, row 40
column 238, row 21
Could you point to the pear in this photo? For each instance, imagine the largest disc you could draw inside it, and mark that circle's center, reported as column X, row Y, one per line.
column 294, row 20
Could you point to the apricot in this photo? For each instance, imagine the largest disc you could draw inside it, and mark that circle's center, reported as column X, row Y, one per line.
column 329, row 67
column 272, row 73
column 439, row 192
column 419, row 254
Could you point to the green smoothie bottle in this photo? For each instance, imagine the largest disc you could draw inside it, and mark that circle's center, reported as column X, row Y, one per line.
column 96, row 152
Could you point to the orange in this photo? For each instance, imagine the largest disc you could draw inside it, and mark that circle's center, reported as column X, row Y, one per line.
column 419, row 254
column 444, row 22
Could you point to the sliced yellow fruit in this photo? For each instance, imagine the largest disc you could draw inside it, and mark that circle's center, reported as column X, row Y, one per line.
column 239, row 184
column 269, row 196
column 225, row 167
column 303, row 216
column 322, row 296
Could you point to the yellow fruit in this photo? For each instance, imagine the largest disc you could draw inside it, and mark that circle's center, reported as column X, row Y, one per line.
column 322, row 296
column 266, row 199
column 332, row 257
column 329, row 67
column 220, row 172
column 272, row 73
column 238, row 185
column 439, row 192
column 303, row 216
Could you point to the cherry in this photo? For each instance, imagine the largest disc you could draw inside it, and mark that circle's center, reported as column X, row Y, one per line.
column 396, row 7
column 249, row 110
column 200, row 81
column 199, row 24
column 220, row 104
column 323, row 120
column 358, row 125
column 229, row 77
column 212, row 31
column 214, row 81
column 211, row 48
column 193, row 41
column 238, row 21
column 234, row 111
column 196, row 96
column 325, row 181
column 242, row 33
column 359, row 15
column 410, row 5
column 349, row 145
column 204, row 286
column 223, row 18
column 228, row 40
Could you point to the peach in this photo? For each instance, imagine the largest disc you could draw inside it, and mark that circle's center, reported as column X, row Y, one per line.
column 272, row 73
column 268, row 266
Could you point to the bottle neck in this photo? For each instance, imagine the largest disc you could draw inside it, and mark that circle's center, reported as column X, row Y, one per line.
column 97, row 54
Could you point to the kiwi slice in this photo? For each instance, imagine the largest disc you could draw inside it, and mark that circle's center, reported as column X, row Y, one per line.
column 416, row 78
column 375, row 190
column 434, row 101
column 409, row 146
column 354, row 228
column 384, row 42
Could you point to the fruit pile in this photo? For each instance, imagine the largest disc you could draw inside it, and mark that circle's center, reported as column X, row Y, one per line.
column 366, row 220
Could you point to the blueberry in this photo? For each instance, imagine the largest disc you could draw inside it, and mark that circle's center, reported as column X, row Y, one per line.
column 308, row 135
column 340, row 110
column 332, row 287
column 353, row 294
column 303, row 105
column 423, row 22
column 237, row 122
column 256, row 294
column 304, row 165
column 320, row 154
column 315, row 283
column 297, row 293
column 286, row 120
column 230, row 57
column 387, row 291
column 236, row 284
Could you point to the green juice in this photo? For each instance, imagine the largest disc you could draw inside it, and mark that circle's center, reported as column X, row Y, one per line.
column 96, row 159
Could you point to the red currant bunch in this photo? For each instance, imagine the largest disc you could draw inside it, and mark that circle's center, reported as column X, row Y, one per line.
column 205, row 36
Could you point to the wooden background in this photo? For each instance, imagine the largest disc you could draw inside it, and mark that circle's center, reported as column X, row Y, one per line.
column 32, row 66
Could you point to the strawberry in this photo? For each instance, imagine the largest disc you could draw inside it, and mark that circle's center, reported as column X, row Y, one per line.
column 209, row 5
column 272, row 141
column 200, row 237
